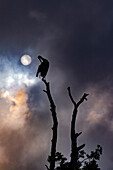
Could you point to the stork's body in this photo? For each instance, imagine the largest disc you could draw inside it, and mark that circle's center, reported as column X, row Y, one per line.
column 43, row 67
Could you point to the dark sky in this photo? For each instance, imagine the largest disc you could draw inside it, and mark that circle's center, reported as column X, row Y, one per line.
column 76, row 36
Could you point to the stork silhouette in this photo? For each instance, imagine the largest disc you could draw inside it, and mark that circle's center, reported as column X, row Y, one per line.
column 43, row 67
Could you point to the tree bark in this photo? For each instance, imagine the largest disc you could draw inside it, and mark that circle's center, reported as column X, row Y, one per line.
column 55, row 125
column 74, row 148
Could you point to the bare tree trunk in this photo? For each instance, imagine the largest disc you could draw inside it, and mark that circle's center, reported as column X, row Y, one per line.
column 74, row 148
column 55, row 125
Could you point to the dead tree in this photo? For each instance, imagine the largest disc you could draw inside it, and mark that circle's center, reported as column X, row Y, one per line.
column 74, row 163
column 54, row 128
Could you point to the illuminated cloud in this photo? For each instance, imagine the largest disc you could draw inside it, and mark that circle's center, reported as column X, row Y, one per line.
column 17, row 111
column 100, row 109
column 22, row 136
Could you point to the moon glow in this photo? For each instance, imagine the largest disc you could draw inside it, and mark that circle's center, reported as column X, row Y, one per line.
column 25, row 60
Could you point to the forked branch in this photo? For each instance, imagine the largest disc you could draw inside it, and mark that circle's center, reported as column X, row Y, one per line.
column 74, row 148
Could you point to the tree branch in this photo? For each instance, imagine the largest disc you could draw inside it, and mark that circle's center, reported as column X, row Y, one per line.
column 78, row 134
column 74, row 135
column 84, row 160
column 81, row 147
column 47, row 167
column 69, row 91
column 84, row 97
column 55, row 125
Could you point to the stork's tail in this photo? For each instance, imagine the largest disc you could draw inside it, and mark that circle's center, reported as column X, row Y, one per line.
column 37, row 74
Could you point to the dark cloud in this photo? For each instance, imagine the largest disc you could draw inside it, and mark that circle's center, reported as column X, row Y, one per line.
column 76, row 37
column 21, row 148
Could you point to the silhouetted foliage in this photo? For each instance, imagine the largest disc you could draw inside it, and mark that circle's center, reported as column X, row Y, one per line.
column 90, row 161
column 85, row 161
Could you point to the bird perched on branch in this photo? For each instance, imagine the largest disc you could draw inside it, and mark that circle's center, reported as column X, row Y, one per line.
column 43, row 67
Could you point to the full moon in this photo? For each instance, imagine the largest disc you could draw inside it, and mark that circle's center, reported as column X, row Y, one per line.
column 25, row 60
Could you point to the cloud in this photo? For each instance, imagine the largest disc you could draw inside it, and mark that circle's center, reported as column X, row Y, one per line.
column 95, row 121
column 41, row 17
column 24, row 140
column 76, row 37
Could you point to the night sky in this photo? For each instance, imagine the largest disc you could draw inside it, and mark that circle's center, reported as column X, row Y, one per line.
column 76, row 36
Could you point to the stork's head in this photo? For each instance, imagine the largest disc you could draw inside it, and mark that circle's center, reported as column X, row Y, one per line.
column 39, row 57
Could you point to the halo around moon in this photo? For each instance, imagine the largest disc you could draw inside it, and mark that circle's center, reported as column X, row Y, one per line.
column 25, row 60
